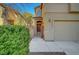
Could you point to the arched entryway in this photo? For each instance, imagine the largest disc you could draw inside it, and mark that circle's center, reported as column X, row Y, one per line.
column 39, row 27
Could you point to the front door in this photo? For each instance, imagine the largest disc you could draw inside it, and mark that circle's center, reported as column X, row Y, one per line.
column 39, row 29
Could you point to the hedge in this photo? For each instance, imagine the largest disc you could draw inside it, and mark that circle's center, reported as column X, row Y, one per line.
column 14, row 40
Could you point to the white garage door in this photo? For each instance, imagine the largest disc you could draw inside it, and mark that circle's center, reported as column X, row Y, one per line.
column 66, row 31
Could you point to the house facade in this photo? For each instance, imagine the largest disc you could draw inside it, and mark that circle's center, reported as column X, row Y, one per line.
column 10, row 16
column 60, row 21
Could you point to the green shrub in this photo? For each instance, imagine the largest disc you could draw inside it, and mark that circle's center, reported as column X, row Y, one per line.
column 14, row 40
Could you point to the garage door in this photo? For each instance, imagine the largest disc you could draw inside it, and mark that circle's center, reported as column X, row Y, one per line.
column 66, row 30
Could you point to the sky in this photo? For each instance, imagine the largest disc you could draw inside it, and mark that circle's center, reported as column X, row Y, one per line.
column 24, row 7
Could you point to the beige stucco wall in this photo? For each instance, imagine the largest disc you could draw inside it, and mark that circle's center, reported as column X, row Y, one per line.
column 63, row 16
column 48, row 30
column 56, row 7
column 56, row 31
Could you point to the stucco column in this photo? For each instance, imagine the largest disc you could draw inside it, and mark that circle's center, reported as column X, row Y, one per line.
column 49, row 29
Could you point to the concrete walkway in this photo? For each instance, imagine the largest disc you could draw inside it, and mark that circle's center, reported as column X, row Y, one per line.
column 39, row 45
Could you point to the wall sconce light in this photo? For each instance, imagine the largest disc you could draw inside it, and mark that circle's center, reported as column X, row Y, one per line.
column 49, row 20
